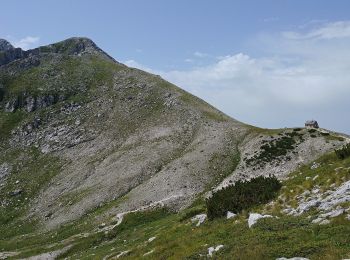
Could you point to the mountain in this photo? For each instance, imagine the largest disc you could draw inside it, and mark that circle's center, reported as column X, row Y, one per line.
column 86, row 140
column 5, row 45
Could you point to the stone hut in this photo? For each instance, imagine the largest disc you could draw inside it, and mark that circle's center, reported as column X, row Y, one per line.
column 311, row 124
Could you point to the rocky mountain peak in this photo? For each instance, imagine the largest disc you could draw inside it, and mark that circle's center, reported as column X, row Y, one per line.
column 74, row 45
column 70, row 46
column 5, row 45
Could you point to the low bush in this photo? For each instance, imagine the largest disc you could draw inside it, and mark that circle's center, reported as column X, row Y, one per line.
column 274, row 149
column 242, row 196
column 344, row 152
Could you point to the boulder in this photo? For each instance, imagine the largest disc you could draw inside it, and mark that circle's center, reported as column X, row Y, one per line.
column 254, row 217
column 15, row 192
column 200, row 218
column 230, row 215
column 212, row 249
column 11, row 105
column 29, row 104
column 293, row 258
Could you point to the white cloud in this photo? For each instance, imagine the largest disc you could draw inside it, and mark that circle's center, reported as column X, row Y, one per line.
column 330, row 31
column 301, row 77
column 270, row 19
column 200, row 54
column 135, row 64
column 189, row 60
column 26, row 43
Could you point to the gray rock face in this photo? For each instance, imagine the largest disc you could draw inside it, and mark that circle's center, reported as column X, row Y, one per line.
column 5, row 45
column 11, row 105
column 71, row 46
column 5, row 169
column 328, row 206
column 10, row 55
column 29, row 104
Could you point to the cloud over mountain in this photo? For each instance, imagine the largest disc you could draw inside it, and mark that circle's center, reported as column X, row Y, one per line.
column 302, row 73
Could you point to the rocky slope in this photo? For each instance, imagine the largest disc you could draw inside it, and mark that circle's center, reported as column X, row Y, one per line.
column 115, row 131
column 82, row 133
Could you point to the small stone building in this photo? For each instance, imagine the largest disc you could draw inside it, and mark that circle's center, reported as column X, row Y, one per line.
column 311, row 124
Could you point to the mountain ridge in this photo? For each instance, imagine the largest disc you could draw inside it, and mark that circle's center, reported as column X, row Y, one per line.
column 83, row 135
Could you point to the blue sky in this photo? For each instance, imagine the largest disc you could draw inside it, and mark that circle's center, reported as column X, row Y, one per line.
column 270, row 63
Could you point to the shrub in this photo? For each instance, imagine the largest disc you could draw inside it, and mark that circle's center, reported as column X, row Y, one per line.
column 344, row 152
column 274, row 149
column 242, row 196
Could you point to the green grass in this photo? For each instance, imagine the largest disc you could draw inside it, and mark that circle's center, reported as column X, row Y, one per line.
column 9, row 121
column 269, row 239
column 74, row 76
column 332, row 170
column 32, row 171
column 222, row 165
column 178, row 238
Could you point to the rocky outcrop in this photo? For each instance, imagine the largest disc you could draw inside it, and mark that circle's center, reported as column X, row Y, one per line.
column 212, row 250
column 199, row 219
column 11, row 105
column 254, row 217
column 71, row 46
column 11, row 55
column 5, row 45
column 31, row 103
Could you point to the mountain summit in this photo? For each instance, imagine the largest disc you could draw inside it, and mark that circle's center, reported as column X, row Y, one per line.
column 5, row 45
column 71, row 46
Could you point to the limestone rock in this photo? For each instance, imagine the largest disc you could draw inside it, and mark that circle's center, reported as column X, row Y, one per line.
column 212, row 249
column 200, row 218
column 16, row 192
column 230, row 215
column 254, row 217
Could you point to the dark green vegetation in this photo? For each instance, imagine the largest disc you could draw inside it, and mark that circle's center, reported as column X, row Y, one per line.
column 343, row 152
column 244, row 195
column 8, row 122
column 276, row 148
column 280, row 145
